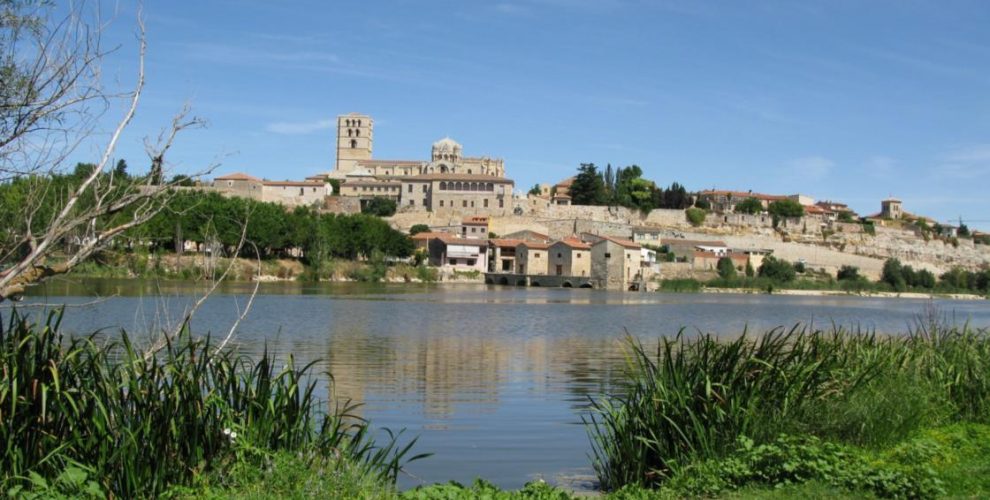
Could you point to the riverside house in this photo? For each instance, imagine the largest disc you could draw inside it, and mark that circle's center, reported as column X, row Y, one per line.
column 570, row 257
column 531, row 258
column 615, row 263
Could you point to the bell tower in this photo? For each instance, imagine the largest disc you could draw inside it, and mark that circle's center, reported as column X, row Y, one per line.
column 355, row 135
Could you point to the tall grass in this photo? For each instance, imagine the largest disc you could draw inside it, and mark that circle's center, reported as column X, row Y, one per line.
column 140, row 423
column 693, row 398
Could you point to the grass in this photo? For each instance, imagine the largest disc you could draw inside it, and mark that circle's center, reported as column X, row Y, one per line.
column 694, row 400
column 97, row 414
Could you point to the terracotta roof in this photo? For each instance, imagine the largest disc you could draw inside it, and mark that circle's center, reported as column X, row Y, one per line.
column 814, row 209
column 533, row 245
column 294, row 183
column 505, row 242
column 237, row 176
column 465, row 241
column 574, row 243
column 620, row 241
column 458, row 177
column 566, row 182
column 475, row 219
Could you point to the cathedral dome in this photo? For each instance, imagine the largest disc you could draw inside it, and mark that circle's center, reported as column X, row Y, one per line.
column 446, row 149
column 447, row 144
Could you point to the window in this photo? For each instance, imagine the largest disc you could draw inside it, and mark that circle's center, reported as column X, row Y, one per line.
column 443, row 186
column 302, row 191
column 464, row 203
column 353, row 143
column 471, row 262
column 350, row 133
column 441, row 203
column 536, row 255
column 357, row 132
column 412, row 202
column 486, row 202
column 469, row 170
column 410, row 188
column 559, row 255
column 452, row 262
column 608, row 255
column 424, row 188
column 578, row 255
column 472, row 203
column 501, row 203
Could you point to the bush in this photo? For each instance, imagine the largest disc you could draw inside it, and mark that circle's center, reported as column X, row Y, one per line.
column 749, row 206
column 726, row 268
column 777, row 270
column 418, row 228
column 848, row 273
column 786, row 208
column 379, row 206
column 695, row 216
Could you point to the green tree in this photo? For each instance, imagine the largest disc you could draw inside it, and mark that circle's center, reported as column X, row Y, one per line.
column 726, row 268
column 750, row 272
column 777, row 270
column 120, row 170
column 848, row 273
column 335, row 184
column 588, row 187
column 695, row 216
column 963, row 230
column 893, row 275
column 845, row 216
column 380, row 206
column 418, row 228
column 535, row 190
column 786, row 208
column 750, row 205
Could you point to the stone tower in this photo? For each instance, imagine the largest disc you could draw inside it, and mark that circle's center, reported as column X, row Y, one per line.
column 891, row 209
column 355, row 136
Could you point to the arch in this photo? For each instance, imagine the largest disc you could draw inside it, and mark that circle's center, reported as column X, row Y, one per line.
column 353, row 143
column 443, row 169
column 534, row 283
column 503, row 281
column 489, row 280
column 490, row 187
column 357, row 132
column 586, row 285
column 567, row 284
column 521, row 282
column 347, row 123
column 443, row 185
column 459, row 186
column 350, row 133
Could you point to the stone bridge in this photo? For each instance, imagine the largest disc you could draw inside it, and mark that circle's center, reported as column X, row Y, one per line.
column 540, row 280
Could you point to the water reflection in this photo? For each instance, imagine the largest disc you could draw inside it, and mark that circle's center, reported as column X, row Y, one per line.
column 492, row 379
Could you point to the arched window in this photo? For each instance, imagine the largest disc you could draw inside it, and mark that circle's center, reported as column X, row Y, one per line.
column 359, row 123
column 459, row 187
column 353, row 143
column 443, row 186
column 491, row 187
column 357, row 132
column 350, row 132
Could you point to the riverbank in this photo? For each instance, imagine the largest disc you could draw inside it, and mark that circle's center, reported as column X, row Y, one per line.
column 842, row 293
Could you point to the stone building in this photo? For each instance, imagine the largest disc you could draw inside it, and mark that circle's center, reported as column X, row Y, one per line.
column 288, row 193
column 891, row 209
column 570, row 257
column 615, row 263
column 531, row 258
column 448, row 182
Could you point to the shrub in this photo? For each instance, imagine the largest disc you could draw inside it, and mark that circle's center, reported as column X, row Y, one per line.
column 379, row 206
column 418, row 228
column 726, row 268
column 848, row 273
column 786, row 208
column 777, row 270
column 695, row 216
column 749, row 206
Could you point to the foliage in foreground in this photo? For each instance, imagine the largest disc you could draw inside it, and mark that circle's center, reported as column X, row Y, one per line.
column 694, row 398
column 134, row 424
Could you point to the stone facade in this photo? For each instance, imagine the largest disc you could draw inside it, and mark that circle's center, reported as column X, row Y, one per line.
column 288, row 193
column 570, row 258
column 615, row 264
column 532, row 258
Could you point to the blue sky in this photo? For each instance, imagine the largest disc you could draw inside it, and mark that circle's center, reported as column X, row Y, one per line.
column 845, row 100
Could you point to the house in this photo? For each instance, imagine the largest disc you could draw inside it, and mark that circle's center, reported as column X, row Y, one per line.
column 527, row 235
column 723, row 201
column 891, row 209
column 755, row 256
column 474, row 226
column 646, row 235
column 502, row 255
column 464, row 254
column 650, row 265
column 686, row 248
column 531, row 258
column 708, row 261
column 570, row 257
column 947, row 230
column 615, row 263
column 288, row 193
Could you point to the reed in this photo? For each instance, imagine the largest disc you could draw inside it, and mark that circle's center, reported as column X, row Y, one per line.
column 695, row 397
column 139, row 423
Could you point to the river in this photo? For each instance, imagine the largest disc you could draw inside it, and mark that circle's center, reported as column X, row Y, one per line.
column 493, row 380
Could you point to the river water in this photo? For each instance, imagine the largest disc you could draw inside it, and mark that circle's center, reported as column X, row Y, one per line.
column 493, row 380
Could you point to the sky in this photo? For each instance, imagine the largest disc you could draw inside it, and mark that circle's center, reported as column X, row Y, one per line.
column 851, row 101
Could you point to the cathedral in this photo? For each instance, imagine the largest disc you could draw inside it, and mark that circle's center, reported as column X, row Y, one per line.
column 448, row 182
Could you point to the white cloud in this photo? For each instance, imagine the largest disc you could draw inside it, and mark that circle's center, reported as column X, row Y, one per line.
column 299, row 128
column 965, row 163
column 813, row 168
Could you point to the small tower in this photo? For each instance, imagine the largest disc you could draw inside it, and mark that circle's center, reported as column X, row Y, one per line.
column 891, row 209
column 355, row 136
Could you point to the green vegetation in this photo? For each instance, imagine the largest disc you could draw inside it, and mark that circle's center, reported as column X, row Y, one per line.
column 680, row 285
column 418, row 228
column 726, row 268
column 786, row 208
column 854, row 411
column 535, row 190
column 777, row 270
column 625, row 187
column 695, row 216
column 379, row 206
column 96, row 416
column 749, row 206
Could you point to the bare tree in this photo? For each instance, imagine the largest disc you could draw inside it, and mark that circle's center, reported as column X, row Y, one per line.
column 50, row 102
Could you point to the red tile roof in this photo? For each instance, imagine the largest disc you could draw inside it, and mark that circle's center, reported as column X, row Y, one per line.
column 534, row 245
column 475, row 219
column 505, row 242
column 620, row 241
column 574, row 243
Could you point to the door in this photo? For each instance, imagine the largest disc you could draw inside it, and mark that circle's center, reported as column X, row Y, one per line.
column 560, row 270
